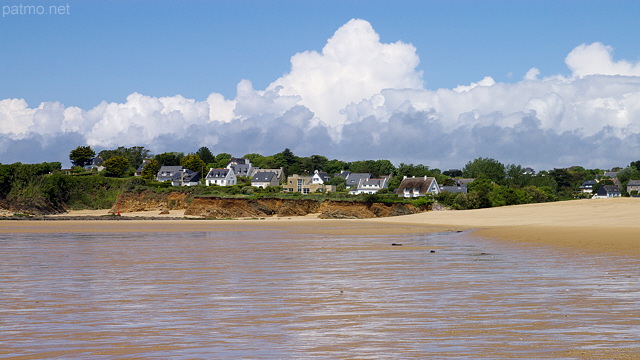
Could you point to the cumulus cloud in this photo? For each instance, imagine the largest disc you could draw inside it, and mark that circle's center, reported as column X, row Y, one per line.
column 360, row 98
column 353, row 65
column 597, row 59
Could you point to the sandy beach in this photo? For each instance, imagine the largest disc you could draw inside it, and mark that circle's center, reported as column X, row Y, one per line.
column 603, row 225
column 562, row 301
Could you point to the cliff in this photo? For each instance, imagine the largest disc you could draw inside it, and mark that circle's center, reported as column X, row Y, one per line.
column 217, row 207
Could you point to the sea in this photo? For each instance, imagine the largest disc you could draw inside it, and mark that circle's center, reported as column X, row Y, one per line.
column 278, row 295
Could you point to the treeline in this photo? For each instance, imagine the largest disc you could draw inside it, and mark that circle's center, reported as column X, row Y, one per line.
column 497, row 184
column 43, row 188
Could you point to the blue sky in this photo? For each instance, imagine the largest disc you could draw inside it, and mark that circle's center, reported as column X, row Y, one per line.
column 108, row 50
column 105, row 50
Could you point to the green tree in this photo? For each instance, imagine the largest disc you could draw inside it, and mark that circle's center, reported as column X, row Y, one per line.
column 194, row 163
column 135, row 154
column 482, row 187
column 491, row 168
column 314, row 162
column 222, row 160
column 334, row 166
column 169, row 158
column 116, row 166
column 205, row 154
column 257, row 160
column 410, row 170
column 288, row 161
column 150, row 169
column 81, row 156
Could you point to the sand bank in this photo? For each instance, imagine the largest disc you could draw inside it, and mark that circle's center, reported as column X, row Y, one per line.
column 603, row 225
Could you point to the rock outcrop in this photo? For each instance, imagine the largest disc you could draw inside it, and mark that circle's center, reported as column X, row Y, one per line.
column 222, row 208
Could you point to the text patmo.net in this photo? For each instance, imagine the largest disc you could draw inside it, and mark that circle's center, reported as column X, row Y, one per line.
column 11, row 10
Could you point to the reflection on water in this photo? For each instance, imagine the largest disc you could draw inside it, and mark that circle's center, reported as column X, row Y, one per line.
column 272, row 295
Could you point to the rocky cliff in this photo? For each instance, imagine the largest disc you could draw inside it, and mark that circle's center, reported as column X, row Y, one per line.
column 216, row 207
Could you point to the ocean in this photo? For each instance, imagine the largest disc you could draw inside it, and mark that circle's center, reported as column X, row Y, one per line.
column 278, row 295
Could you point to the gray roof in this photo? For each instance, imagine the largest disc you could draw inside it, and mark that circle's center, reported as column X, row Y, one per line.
column 167, row 172
column 454, row 189
column 217, row 173
column 374, row 182
column 186, row 176
column 633, row 183
column 354, row 178
column 608, row 189
column 263, row 176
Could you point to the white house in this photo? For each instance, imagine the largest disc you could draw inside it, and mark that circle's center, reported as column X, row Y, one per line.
column 369, row 186
column 240, row 167
column 319, row 177
column 222, row 177
column 186, row 177
column 166, row 173
column 264, row 179
column 414, row 187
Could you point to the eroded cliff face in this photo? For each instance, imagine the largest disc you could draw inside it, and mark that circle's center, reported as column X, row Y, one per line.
column 328, row 209
column 221, row 208
column 151, row 201
column 239, row 208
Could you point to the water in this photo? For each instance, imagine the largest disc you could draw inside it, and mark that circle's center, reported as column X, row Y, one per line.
column 274, row 295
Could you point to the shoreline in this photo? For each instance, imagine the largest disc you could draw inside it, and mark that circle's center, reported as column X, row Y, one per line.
column 594, row 226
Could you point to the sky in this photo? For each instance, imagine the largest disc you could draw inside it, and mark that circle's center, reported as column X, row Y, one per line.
column 542, row 84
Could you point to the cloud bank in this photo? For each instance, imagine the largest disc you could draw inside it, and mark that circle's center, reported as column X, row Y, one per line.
column 358, row 99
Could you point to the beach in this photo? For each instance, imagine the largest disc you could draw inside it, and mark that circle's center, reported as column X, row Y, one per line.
column 602, row 225
column 556, row 280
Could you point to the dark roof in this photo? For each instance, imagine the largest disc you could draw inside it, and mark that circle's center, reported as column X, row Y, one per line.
column 454, row 189
column 186, row 176
column 217, row 173
column 354, row 178
column 633, row 183
column 608, row 189
column 263, row 176
column 238, row 161
column 323, row 175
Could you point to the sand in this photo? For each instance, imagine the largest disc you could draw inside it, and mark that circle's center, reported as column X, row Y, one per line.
column 602, row 225
column 574, row 228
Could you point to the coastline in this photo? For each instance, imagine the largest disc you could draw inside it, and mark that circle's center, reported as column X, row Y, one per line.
column 602, row 226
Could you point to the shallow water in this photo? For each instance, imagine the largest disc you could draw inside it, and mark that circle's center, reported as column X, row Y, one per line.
column 274, row 295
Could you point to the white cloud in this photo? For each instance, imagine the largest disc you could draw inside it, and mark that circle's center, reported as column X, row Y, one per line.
column 353, row 65
column 362, row 99
column 596, row 59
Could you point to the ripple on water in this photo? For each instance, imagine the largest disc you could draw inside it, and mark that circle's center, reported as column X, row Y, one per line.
column 266, row 295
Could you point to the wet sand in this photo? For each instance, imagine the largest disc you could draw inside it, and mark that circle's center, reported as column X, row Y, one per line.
column 588, row 234
column 603, row 225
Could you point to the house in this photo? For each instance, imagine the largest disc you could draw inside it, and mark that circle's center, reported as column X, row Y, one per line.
column 141, row 167
column 186, row 177
column 459, row 186
column 264, row 179
column 370, row 186
column 587, row 186
column 610, row 175
column 305, row 185
column 221, row 177
column 633, row 185
column 607, row 191
column 414, row 187
column 240, row 167
column 353, row 179
column 320, row 177
column 166, row 173
column 95, row 163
